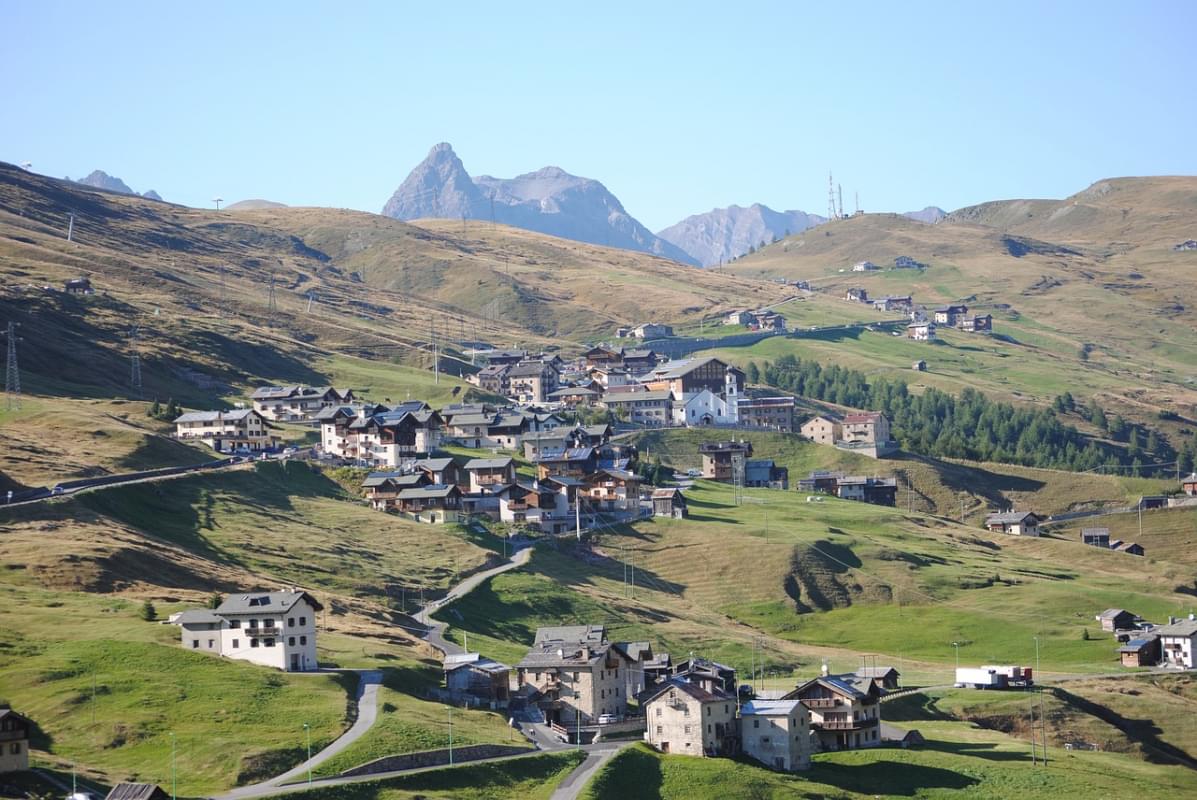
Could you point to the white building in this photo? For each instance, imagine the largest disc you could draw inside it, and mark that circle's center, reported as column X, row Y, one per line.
column 1176, row 641
column 701, row 408
column 776, row 733
column 225, row 430
column 273, row 629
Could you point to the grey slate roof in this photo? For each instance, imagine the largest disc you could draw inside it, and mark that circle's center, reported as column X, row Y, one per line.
column 264, row 602
column 769, row 708
column 434, row 464
column 481, row 420
column 197, row 616
column 571, row 633
column 1009, row 517
column 434, row 490
column 692, row 689
column 137, row 791
column 487, row 463
column 213, row 416
column 1186, row 627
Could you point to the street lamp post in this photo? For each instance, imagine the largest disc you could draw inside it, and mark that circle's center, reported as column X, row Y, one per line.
column 174, row 783
column 1036, row 657
column 450, row 735
column 307, row 729
column 957, row 646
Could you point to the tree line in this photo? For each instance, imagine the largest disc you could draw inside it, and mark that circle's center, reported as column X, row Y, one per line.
column 969, row 426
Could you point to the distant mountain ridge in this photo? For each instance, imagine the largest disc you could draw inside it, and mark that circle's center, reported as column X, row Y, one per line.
column 722, row 234
column 549, row 200
column 99, row 179
column 930, row 215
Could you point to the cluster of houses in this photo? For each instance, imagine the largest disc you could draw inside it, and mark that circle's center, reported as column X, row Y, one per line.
column 580, row 683
column 864, row 432
column 248, row 429
column 763, row 319
column 901, row 262
column 1100, row 537
column 865, row 489
column 580, row 476
column 924, row 322
column 636, row 386
column 732, row 462
column 1144, row 644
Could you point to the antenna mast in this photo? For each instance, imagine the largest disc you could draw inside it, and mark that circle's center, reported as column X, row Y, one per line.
column 857, row 203
column 831, row 197
column 839, row 192
column 12, row 373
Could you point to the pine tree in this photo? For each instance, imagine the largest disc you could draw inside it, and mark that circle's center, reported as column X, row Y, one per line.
column 155, row 409
column 1097, row 416
column 753, row 372
column 148, row 612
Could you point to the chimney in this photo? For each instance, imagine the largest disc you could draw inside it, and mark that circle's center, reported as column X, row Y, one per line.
column 1171, row 620
column 826, row 671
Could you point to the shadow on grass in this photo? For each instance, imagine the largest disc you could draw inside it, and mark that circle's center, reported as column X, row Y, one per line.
column 891, row 777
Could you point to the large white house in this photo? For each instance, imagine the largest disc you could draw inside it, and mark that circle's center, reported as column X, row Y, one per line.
column 1177, row 641
column 225, row 431
column 274, row 629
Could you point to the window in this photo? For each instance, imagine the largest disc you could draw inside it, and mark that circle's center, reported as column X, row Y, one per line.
column 16, row 748
column 658, row 727
column 211, row 643
column 290, row 622
column 658, row 712
column 756, row 723
column 603, row 694
column 708, row 711
column 253, row 623
column 303, row 640
column 270, row 641
column 194, row 643
column 687, row 730
column 234, row 623
column 291, row 641
column 708, row 727
column 253, row 643
column 236, row 644
column 303, row 621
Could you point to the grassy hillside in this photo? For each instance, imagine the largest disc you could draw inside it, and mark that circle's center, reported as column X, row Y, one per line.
column 982, row 766
column 287, row 523
column 50, row 439
column 532, row 778
column 1094, row 272
column 925, row 484
column 827, row 580
column 107, row 690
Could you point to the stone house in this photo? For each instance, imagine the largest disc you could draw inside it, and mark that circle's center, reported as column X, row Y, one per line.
column 14, row 741
column 575, row 674
column 776, row 733
column 683, row 718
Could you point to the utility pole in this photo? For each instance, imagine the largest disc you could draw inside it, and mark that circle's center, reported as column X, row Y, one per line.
column 450, row 735
column 221, row 311
column 271, row 304
column 12, row 373
column 135, row 363
column 71, row 228
column 308, row 729
column 578, row 511
column 174, row 780
column 436, row 358
column 1034, row 737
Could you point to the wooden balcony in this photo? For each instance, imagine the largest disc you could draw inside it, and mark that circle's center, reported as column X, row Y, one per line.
column 263, row 631
column 822, row 702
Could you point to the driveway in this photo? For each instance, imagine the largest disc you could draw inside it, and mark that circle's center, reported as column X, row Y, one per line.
column 367, row 712
column 435, row 635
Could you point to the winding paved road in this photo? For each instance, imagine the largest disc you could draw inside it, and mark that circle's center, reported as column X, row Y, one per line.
column 367, row 699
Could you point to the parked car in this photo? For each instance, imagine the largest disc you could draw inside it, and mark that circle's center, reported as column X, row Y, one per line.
column 607, row 719
column 694, row 473
column 57, row 490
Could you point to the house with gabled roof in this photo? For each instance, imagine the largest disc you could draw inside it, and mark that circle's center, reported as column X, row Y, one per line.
column 484, row 473
column 435, row 503
column 226, row 431
column 684, row 718
column 273, row 629
column 574, row 675
column 15, row 731
column 137, row 791
column 576, row 462
column 297, row 403
column 1178, row 643
column 612, row 490
column 475, row 676
column 1017, row 523
column 532, row 381
column 381, row 489
column 776, row 733
column 949, row 314
column 845, row 711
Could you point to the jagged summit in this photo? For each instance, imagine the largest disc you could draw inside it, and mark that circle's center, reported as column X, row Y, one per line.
column 548, row 200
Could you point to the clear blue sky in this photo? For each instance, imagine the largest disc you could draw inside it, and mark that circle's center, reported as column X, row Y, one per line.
column 676, row 109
